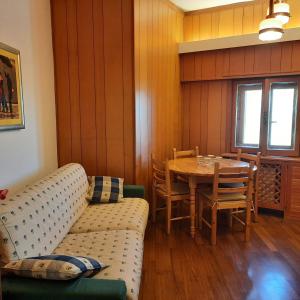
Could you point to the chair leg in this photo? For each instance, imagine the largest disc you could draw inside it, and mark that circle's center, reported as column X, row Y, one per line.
column 255, row 208
column 200, row 211
column 248, row 221
column 169, row 214
column 229, row 218
column 213, row 236
column 154, row 205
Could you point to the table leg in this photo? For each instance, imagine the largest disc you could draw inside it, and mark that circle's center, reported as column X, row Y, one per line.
column 192, row 186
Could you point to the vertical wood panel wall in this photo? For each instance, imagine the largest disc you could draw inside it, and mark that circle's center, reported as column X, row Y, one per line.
column 158, row 29
column 94, row 67
column 207, row 116
column 232, row 20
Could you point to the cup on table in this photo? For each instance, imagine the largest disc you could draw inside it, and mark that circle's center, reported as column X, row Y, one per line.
column 199, row 158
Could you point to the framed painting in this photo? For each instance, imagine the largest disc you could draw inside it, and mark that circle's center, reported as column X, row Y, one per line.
column 11, row 97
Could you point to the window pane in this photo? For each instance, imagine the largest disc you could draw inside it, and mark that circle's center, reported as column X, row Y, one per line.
column 282, row 115
column 249, row 101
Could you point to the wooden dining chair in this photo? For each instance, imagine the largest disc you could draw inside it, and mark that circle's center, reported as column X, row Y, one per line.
column 165, row 188
column 185, row 153
column 229, row 198
column 256, row 160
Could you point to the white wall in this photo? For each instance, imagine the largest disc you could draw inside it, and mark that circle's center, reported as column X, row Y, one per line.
column 28, row 154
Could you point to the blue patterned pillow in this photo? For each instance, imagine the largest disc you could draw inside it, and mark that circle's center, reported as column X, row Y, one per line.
column 54, row 267
column 105, row 189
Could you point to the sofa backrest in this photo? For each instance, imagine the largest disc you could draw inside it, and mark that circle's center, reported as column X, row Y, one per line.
column 34, row 221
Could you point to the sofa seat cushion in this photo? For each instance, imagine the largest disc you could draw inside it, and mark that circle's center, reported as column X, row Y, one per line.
column 129, row 214
column 121, row 250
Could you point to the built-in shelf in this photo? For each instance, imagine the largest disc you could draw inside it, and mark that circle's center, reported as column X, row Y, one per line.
column 291, row 34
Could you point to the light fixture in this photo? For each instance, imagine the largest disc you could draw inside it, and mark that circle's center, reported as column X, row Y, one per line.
column 270, row 29
column 282, row 11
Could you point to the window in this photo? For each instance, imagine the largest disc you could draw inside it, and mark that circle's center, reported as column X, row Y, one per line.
column 266, row 116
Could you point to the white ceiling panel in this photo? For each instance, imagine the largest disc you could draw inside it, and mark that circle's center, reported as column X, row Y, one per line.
column 190, row 5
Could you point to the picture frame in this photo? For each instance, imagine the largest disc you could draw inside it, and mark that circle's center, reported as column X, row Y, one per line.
column 11, row 94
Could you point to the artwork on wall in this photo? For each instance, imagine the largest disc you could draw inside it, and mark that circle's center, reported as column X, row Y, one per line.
column 11, row 98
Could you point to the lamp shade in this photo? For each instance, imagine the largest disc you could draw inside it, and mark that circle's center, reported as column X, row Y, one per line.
column 282, row 12
column 270, row 29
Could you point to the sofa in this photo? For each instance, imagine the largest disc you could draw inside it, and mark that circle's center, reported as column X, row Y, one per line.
column 53, row 216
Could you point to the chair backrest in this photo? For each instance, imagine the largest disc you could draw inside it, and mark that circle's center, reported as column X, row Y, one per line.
column 185, row 153
column 160, row 175
column 225, row 178
column 249, row 157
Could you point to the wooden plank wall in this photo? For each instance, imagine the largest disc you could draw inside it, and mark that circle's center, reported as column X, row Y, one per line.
column 253, row 61
column 94, row 67
column 158, row 29
column 232, row 20
column 207, row 116
column 207, row 88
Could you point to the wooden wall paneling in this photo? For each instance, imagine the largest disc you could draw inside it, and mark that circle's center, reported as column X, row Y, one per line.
column 158, row 29
column 188, row 66
column 286, row 57
column 249, row 60
column 204, row 117
column 196, row 27
column 113, row 44
column 208, row 67
column 206, row 26
column 220, row 57
column 198, row 66
column 275, row 58
column 262, row 61
column 195, row 114
column 238, row 13
column 93, row 55
column 236, row 61
column 214, row 117
column 226, row 22
column 236, row 19
column 253, row 61
column 188, row 28
column 128, row 88
column 100, row 87
column 74, row 81
column 87, row 84
column 60, row 44
column 186, row 90
column 295, row 56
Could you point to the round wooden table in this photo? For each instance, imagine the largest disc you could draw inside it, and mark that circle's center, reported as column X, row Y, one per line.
column 195, row 171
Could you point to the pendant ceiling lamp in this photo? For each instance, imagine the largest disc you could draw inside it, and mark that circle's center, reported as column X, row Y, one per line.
column 271, row 28
column 281, row 11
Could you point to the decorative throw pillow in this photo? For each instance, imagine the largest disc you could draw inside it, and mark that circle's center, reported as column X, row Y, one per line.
column 54, row 267
column 105, row 189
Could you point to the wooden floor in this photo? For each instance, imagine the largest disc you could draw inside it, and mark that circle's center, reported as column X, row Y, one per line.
column 267, row 267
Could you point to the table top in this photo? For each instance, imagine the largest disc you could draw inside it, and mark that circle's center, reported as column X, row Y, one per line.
column 189, row 166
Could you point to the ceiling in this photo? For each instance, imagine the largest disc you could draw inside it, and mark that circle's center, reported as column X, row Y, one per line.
column 189, row 5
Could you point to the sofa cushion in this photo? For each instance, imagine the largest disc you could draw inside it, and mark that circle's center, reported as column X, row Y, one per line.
column 34, row 221
column 129, row 213
column 54, row 267
column 121, row 250
column 105, row 189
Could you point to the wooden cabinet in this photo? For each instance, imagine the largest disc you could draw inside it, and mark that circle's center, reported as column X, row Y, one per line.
column 293, row 191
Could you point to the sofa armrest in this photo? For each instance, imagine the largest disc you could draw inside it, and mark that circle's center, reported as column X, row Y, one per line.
column 79, row 289
column 134, row 191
